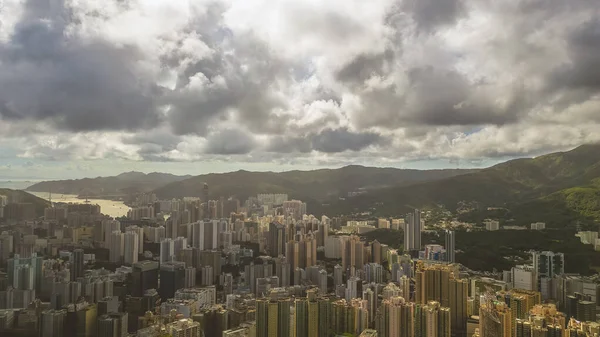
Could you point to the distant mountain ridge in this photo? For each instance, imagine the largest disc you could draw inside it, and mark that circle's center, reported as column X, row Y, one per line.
column 562, row 185
column 122, row 184
column 316, row 185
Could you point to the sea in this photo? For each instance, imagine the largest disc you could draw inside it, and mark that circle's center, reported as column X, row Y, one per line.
column 108, row 207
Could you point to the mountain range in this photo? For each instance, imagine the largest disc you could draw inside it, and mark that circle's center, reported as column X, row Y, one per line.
column 108, row 187
column 561, row 188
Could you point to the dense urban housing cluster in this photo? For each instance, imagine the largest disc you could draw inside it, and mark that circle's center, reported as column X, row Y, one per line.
column 265, row 267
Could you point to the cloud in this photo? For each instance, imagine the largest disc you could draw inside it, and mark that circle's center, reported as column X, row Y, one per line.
column 229, row 141
column 284, row 81
column 48, row 73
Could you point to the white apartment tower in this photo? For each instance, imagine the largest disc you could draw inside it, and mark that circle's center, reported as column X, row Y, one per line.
column 116, row 246
column 131, row 248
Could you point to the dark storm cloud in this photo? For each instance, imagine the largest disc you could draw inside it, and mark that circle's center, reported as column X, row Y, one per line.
column 444, row 97
column 434, row 97
column 151, row 144
column 429, row 14
column 327, row 141
column 287, row 144
column 583, row 70
column 229, row 141
column 339, row 140
column 242, row 83
column 49, row 74
column 364, row 66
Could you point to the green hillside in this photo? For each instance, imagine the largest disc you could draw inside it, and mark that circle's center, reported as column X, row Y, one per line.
column 24, row 197
column 313, row 186
column 556, row 188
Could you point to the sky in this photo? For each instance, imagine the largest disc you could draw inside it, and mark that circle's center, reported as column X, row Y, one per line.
column 90, row 88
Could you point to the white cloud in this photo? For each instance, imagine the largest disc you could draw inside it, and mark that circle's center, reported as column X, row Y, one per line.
column 312, row 82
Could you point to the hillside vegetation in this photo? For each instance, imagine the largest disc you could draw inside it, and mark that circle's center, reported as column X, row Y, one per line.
column 21, row 196
column 556, row 188
column 312, row 186
column 485, row 250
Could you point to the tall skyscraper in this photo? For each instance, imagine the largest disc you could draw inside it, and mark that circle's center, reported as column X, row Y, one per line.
column 353, row 253
column 432, row 320
column 76, row 268
column 495, row 318
column 167, row 250
column 277, row 239
column 450, row 246
column 131, row 248
column 395, row 317
column 412, row 232
column 273, row 317
column 113, row 325
column 547, row 265
column 6, row 246
column 116, row 246
column 172, row 277
column 439, row 282
column 205, row 201
column 140, row 233
column 35, row 262
column 144, row 276
column 52, row 323
column 205, row 235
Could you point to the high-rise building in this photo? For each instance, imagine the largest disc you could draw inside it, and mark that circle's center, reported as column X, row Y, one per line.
column 205, row 235
column 81, row 320
column 205, row 200
column 376, row 251
column 395, row 317
column 113, row 325
column 76, row 268
column 23, row 280
column 277, row 239
column 273, row 317
column 6, row 246
column 131, row 248
column 439, row 282
column 495, row 318
column 373, row 273
column 294, row 209
column 167, row 250
column 108, row 227
column 432, row 320
column 184, row 328
column 140, row 233
column 450, row 246
column 547, row 265
column 412, row 232
column 116, row 246
column 190, row 277
column 144, row 276
column 323, row 281
column 338, row 275
column 172, row 277
column 52, row 323
column 353, row 255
